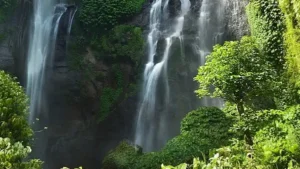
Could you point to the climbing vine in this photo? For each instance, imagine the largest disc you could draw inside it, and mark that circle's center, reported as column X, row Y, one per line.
column 267, row 25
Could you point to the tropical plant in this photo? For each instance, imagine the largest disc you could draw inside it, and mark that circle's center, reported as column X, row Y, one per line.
column 12, row 156
column 13, row 111
column 238, row 72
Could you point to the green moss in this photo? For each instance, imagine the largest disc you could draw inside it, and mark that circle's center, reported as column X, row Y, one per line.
column 267, row 25
column 104, row 14
column 111, row 95
column 123, row 43
column 121, row 157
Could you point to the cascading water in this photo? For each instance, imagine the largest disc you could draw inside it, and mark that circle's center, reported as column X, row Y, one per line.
column 47, row 15
column 211, row 31
column 154, row 125
column 145, row 130
column 46, row 21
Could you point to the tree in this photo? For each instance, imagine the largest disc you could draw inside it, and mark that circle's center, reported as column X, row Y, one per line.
column 13, row 111
column 15, row 132
column 238, row 72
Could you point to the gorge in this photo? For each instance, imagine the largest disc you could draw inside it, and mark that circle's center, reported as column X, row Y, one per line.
column 134, row 84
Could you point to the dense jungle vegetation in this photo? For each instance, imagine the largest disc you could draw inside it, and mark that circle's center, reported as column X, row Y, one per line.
column 258, row 78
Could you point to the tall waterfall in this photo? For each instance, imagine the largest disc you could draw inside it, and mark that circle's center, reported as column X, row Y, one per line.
column 46, row 19
column 153, row 117
column 211, row 31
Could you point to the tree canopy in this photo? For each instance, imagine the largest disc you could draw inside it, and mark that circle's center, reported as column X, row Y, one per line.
column 13, row 110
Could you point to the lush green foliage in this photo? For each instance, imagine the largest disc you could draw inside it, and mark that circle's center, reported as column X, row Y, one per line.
column 123, row 43
column 238, row 72
column 12, row 155
column 190, row 143
column 278, row 143
column 206, row 120
column 291, row 10
column 15, row 132
column 229, row 157
column 13, row 111
column 105, row 14
column 267, row 25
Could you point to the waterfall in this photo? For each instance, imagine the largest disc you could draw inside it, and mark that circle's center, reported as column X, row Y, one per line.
column 211, row 31
column 46, row 19
column 153, row 123
column 146, row 130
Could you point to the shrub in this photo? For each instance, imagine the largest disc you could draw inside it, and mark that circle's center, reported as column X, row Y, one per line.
column 201, row 130
column 13, row 111
column 278, row 143
column 206, row 120
column 122, row 156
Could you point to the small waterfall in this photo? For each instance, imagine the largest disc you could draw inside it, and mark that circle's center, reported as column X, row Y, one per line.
column 147, row 131
column 47, row 15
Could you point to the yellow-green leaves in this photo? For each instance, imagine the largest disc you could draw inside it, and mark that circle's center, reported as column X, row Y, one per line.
column 12, row 155
column 180, row 166
column 13, row 110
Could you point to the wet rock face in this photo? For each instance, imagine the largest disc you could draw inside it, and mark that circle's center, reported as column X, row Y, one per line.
column 6, row 59
column 195, row 7
column 8, row 29
column 237, row 23
column 174, row 8
column 142, row 19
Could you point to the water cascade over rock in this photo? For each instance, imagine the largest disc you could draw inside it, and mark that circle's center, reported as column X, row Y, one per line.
column 179, row 39
column 46, row 21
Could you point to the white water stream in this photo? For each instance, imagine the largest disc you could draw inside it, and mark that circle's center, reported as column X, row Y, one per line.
column 145, row 131
column 43, row 34
column 153, row 123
